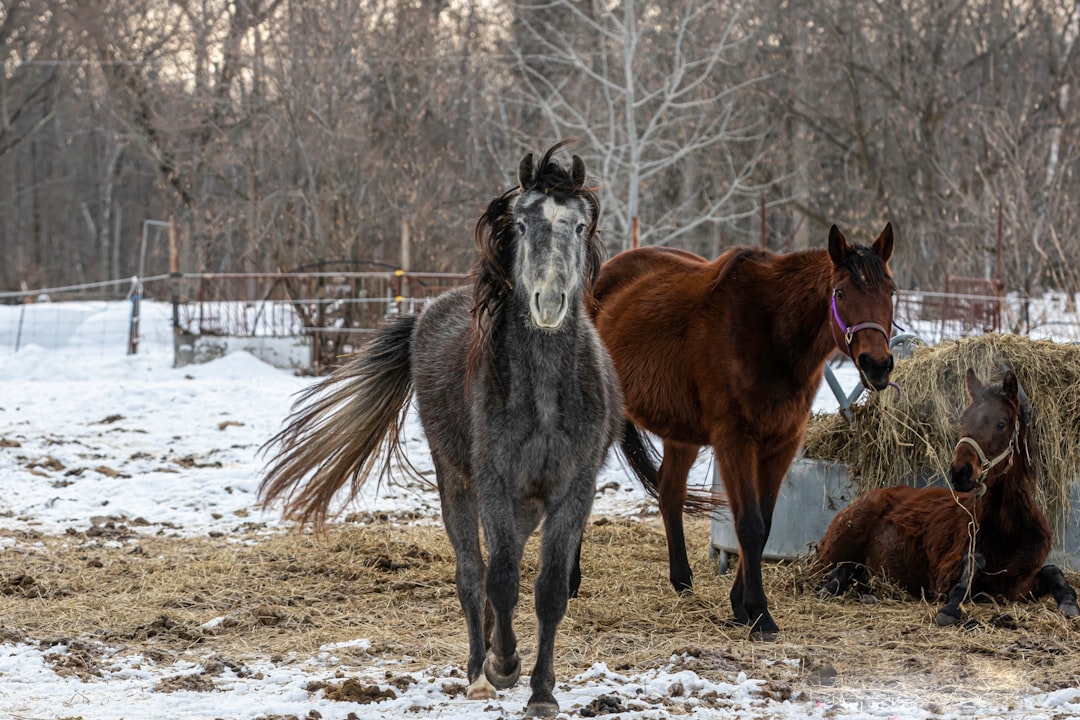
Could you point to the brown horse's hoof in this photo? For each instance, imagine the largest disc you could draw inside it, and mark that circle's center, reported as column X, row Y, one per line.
column 1069, row 609
column 945, row 619
column 500, row 679
column 542, row 710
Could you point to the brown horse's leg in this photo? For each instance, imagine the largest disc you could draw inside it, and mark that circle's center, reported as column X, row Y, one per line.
column 752, row 499
column 1050, row 581
column 674, row 470
column 949, row 614
column 843, row 550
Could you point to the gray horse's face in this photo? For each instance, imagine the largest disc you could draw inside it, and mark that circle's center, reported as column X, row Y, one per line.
column 550, row 258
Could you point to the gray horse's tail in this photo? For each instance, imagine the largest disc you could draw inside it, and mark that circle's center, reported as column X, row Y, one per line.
column 338, row 426
column 643, row 459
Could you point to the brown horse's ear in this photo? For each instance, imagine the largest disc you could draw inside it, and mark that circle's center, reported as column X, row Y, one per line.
column 525, row 171
column 838, row 246
column 884, row 244
column 577, row 171
column 974, row 385
column 1010, row 388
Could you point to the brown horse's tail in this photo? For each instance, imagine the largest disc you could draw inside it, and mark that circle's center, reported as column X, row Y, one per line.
column 338, row 426
column 643, row 459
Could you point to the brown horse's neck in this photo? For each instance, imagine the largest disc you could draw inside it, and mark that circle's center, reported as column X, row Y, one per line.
column 801, row 316
column 1009, row 506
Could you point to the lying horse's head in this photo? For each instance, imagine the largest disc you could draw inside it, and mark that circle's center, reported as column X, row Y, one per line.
column 990, row 433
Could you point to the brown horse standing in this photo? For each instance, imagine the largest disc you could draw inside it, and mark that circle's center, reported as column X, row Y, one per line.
column 921, row 538
column 730, row 354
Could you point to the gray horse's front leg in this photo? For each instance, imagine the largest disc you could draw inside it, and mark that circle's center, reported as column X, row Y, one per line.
column 506, row 544
column 949, row 614
column 462, row 524
column 559, row 557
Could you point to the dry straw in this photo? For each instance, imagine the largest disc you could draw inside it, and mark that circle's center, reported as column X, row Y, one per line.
column 224, row 603
column 908, row 436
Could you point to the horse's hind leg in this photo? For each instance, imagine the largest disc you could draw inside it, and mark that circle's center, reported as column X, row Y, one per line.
column 672, row 476
column 843, row 550
column 1050, row 581
column 575, row 571
column 840, row 578
column 462, row 522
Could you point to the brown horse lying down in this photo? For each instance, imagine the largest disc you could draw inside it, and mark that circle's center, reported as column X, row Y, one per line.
column 921, row 538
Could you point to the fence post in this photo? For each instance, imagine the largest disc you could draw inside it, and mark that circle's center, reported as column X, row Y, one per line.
column 174, row 283
column 22, row 314
column 135, row 293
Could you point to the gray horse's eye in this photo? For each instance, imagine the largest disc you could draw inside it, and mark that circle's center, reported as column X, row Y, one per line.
column 580, row 229
column 520, row 224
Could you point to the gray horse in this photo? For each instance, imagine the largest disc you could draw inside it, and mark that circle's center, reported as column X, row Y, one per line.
column 519, row 402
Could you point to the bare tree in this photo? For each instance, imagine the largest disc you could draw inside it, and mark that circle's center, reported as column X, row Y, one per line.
column 655, row 93
column 30, row 91
column 285, row 132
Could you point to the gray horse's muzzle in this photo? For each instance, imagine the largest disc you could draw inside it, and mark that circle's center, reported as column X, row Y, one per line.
column 548, row 307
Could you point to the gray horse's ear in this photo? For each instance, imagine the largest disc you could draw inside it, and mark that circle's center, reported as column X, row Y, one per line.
column 577, row 171
column 525, row 171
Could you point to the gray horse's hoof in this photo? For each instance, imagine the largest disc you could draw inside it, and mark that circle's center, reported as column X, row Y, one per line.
column 502, row 680
column 542, row 710
column 1069, row 609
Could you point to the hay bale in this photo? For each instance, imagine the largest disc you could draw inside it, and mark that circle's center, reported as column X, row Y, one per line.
column 906, row 437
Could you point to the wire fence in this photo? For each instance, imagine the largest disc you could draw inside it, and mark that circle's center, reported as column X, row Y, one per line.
column 321, row 316
column 316, row 316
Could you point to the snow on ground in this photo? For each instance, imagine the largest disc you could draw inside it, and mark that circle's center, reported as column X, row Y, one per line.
column 178, row 448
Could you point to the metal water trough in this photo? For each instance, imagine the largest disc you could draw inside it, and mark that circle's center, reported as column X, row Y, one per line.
column 815, row 490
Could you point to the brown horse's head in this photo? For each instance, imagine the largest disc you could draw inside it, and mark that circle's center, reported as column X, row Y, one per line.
column 991, row 432
column 862, row 304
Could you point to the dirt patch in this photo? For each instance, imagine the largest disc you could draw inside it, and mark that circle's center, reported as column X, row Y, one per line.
column 352, row 690
column 225, row 601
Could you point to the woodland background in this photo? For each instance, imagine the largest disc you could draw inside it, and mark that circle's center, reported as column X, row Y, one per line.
column 279, row 133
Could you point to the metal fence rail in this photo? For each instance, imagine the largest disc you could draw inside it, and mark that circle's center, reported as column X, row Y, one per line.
column 331, row 311
column 335, row 309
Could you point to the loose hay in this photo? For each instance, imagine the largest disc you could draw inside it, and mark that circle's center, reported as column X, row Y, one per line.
column 223, row 602
column 907, row 437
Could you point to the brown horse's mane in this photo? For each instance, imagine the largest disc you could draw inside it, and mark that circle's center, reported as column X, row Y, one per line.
column 862, row 262
column 494, row 237
column 866, row 267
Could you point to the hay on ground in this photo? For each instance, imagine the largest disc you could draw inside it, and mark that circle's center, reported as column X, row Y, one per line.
column 225, row 602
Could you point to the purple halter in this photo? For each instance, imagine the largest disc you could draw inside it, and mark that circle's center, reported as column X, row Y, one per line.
column 849, row 333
